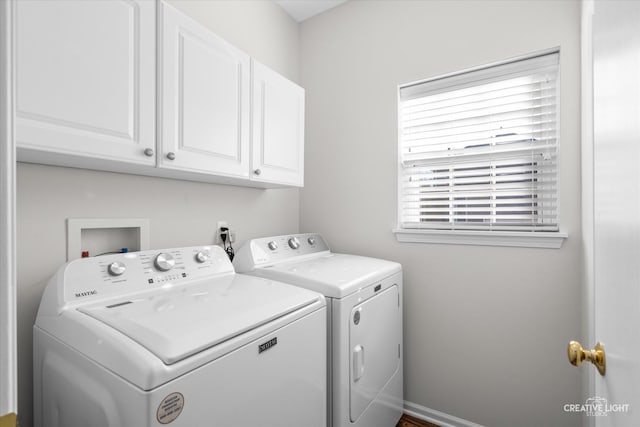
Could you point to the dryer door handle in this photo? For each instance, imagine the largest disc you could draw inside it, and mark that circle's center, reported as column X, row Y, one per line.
column 358, row 362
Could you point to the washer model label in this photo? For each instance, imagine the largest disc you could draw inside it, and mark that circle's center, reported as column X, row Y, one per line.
column 170, row 408
column 86, row 293
column 267, row 345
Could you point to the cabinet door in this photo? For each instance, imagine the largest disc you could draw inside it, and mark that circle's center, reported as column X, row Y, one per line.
column 278, row 128
column 205, row 99
column 85, row 81
column 374, row 343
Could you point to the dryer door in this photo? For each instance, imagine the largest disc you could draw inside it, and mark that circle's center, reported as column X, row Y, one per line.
column 374, row 341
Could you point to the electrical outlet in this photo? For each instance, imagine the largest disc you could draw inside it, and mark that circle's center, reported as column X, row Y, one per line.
column 231, row 233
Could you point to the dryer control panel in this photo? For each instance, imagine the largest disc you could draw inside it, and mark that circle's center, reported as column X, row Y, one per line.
column 110, row 275
column 270, row 250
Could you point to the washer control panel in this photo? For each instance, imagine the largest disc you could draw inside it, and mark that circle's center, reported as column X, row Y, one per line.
column 270, row 250
column 109, row 275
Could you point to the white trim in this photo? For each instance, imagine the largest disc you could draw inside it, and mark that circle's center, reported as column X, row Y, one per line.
column 546, row 240
column 518, row 58
column 436, row 417
column 587, row 178
column 8, row 332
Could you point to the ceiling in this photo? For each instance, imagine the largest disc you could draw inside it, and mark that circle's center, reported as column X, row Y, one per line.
column 304, row 9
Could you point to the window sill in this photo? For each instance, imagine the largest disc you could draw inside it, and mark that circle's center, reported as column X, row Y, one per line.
column 548, row 240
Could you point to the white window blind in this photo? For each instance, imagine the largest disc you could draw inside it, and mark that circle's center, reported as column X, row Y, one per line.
column 479, row 149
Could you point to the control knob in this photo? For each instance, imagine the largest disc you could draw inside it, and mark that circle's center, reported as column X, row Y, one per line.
column 116, row 268
column 164, row 261
column 272, row 245
column 294, row 243
column 311, row 240
column 203, row 256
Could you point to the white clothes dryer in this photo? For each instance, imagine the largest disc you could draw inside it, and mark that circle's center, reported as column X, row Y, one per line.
column 364, row 312
column 176, row 338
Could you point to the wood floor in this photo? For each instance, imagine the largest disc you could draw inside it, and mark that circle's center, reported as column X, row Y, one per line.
column 409, row 421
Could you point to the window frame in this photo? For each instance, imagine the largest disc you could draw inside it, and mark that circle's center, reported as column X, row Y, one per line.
column 534, row 239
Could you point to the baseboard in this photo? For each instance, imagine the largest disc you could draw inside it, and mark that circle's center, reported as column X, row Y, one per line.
column 436, row 417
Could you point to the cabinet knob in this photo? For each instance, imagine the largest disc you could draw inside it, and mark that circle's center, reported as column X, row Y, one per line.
column 148, row 152
column 171, row 156
column 257, row 171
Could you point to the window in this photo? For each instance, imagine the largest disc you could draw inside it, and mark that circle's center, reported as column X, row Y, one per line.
column 479, row 151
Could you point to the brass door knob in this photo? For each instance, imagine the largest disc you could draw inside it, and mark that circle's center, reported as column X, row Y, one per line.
column 577, row 355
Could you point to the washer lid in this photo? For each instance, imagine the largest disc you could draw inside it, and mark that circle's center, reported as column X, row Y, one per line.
column 177, row 323
column 333, row 275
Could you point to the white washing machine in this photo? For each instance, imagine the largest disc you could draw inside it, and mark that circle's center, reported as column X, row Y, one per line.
column 364, row 312
column 176, row 338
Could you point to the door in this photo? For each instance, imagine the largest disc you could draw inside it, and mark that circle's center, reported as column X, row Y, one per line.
column 616, row 89
column 86, row 83
column 205, row 109
column 278, row 128
column 374, row 332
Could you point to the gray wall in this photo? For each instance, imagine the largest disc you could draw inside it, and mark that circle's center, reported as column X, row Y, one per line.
column 486, row 328
column 181, row 213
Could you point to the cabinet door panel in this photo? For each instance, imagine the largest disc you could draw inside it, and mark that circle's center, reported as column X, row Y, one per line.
column 86, row 78
column 281, row 123
column 278, row 128
column 205, row 92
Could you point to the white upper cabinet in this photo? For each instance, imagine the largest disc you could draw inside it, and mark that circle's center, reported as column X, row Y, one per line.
column 85, row 74
column 205, row 99
column 278, row 128
column 87, row 96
